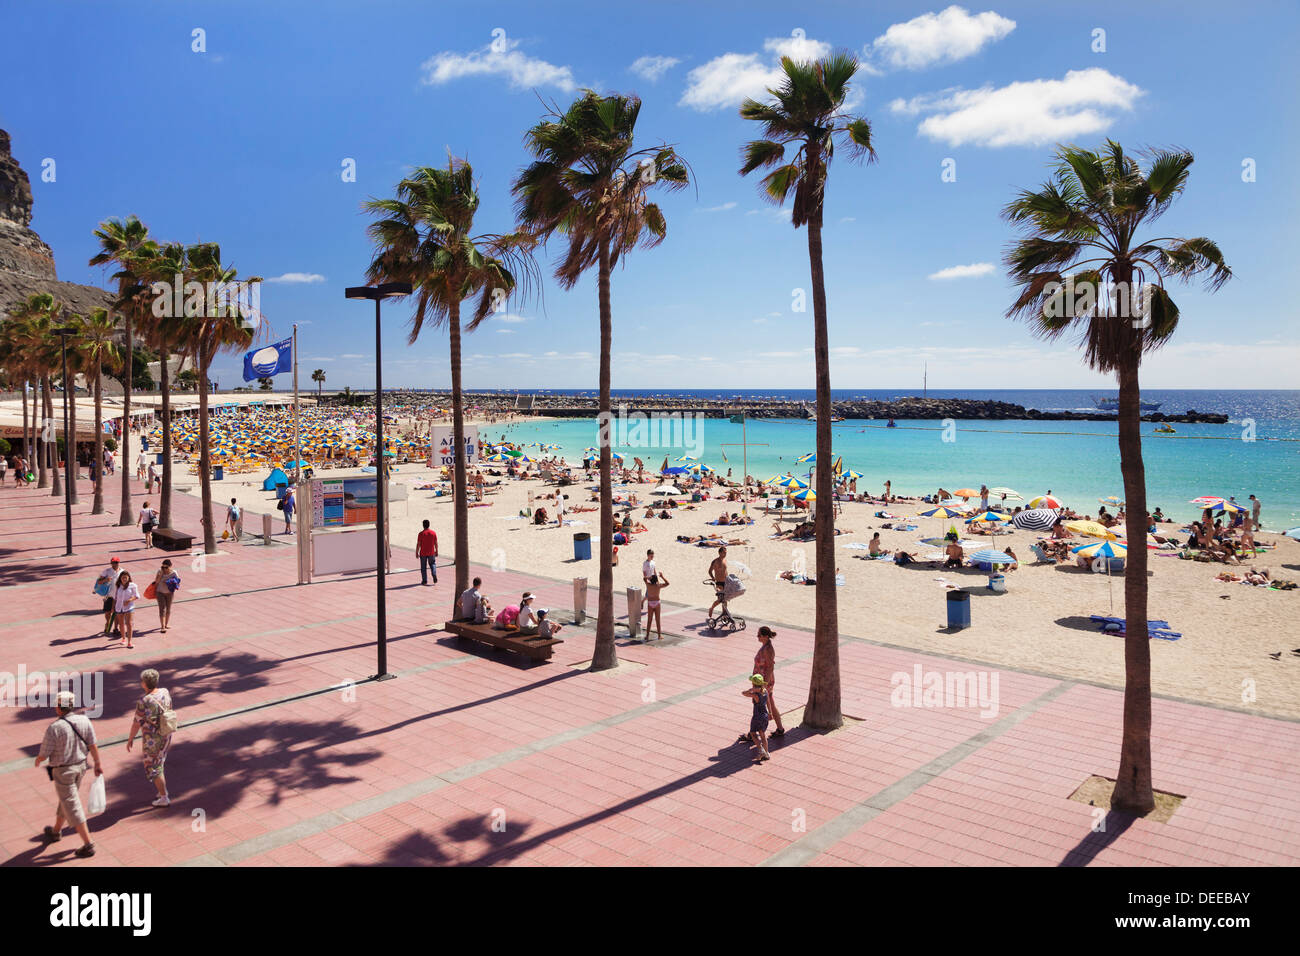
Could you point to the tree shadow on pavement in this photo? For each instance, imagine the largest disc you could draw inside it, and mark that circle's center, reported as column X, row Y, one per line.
column 1086, row 850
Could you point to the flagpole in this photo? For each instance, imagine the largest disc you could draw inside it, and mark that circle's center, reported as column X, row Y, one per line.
column 297, row 433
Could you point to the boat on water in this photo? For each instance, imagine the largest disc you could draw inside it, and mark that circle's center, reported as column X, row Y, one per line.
column 1165, row 430
column 1112, row 405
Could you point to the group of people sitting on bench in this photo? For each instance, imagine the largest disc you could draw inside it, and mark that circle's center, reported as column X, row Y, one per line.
column 522, row 617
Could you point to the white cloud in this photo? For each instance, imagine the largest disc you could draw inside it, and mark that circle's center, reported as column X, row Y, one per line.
column 505, row 331
column 351, row 356
column 934, row 38
column 296, row 278
column 972, row 271
column 511, row 317
column 653, row 67
column 849, row 219
column 499, row 58
column 728, row 79
column 1027, row 113
column 723, row 208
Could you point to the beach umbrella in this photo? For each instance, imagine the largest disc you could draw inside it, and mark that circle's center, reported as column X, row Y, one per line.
column 805, row 494
column 991, row 556
column 1106, row 550
column 1035, row 519
column 688, row 458
column 1293, row 533
column 810, row 458
column 666, row 490
column 1045, row 501
column 943, row 511
column 291, row 464
column 854, row 475
column 1110, row 500
column 1229, row 507
column 1007, row 493
column 789, row 482
column 988, row 516
column 944, row 542
column 966, row 493
column 1091, row 529
column 498, row 459
column 1207, row 501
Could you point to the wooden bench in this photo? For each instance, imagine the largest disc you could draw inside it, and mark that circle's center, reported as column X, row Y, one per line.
column 169, row 539
column 533, row 646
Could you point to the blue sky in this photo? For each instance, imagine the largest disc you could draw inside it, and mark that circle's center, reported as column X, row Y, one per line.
column 244, row 144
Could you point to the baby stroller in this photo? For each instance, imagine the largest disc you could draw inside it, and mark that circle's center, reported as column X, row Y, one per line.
column 724, row 619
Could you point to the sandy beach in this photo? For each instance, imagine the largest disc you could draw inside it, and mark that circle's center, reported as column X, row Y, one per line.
column 1040, row 624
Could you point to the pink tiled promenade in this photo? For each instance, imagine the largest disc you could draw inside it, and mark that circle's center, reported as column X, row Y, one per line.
column 470, row 758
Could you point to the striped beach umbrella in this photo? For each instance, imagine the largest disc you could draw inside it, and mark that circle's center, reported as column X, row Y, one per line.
column 1035, row 519
column 1207, row 501
column 789, row 482
column 988, row 516
column 991, row 556
column 1112, row 500
column 1105, row 550
column 1009, row 493
column 854, row 475
column 943, row 511
column 805, row 494
column 810, row 458
column 1045, row 501
column 1229, row 507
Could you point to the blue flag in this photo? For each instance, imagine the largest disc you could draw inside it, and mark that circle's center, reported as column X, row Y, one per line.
column 268, row 361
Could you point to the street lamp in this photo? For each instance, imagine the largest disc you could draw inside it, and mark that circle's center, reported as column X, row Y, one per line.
column 378, row 294
column 69, row 442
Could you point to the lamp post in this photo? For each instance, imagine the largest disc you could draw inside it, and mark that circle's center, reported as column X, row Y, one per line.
column 378, row 294
column 69, row 442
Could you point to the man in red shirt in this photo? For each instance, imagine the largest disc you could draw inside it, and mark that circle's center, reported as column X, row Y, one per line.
column 426, row 549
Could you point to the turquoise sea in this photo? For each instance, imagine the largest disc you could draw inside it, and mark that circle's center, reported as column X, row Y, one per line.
column 1256, row 453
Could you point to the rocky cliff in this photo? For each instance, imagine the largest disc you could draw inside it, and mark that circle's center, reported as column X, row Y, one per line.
column 26, row 262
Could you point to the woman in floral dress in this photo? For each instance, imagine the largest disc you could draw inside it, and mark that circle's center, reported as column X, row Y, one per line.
column 148, row 715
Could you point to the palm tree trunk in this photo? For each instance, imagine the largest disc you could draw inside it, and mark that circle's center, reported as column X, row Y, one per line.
column 605, row 655
column 822, row 711
column 34, row 460
column 460, row 503
column 39, row 431
column 98, row 507
column 1133, row 791
column 124, row 440
column 70, row 442
column 56, row 486
column 165, row 505
column 205, row 480
column 27, row 448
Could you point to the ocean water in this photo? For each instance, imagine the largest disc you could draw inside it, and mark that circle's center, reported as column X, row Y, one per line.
column 1256, row 453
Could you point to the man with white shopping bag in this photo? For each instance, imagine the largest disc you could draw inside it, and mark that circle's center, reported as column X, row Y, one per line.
column 68, row 741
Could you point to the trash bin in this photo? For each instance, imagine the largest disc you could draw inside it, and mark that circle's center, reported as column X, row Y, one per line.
column 958, row 609
column 581, row 546
column 998, row 582
column 579, row 600
column 218, row 472
column 159, row 459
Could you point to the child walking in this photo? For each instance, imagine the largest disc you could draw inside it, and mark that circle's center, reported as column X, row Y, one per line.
column 758, row 722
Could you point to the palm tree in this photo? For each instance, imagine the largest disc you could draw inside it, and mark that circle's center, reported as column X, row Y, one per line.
column 807, row 111
column 426, row 237
column 588, row 183
column 35, row 329
column 162, row 263
column 97, row 346
column 318, row 377
column 1080, row 265
column 119, row 239
column 219, row 327
column 18, row 362
column 75, row 366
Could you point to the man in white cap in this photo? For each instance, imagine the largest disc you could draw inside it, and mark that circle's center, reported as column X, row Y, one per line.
column 68, row 741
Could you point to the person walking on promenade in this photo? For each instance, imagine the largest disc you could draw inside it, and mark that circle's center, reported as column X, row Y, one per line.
column 104, row 585
column 146, row 521
column 765, row 665
column 164, row 591
column 234, row 520
column 125, row 594
column 759, row 721
column 155, row 722
column 288, row 510
column 67, row 743
column 426, row 549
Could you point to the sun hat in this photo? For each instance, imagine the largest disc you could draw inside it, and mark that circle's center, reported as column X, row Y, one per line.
column 757, row 680
column 114, row 560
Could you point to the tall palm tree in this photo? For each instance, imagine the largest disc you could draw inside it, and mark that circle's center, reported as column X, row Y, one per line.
column 17, row 362
column 217, row 328
column 318, row 377
column 119, row 239
column 35, row 326
column 98, row 348
column 589, row 183
column 162, row 263
column 75, row 367
column 806, row 111
column 425, row 236
column 1080, row 265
